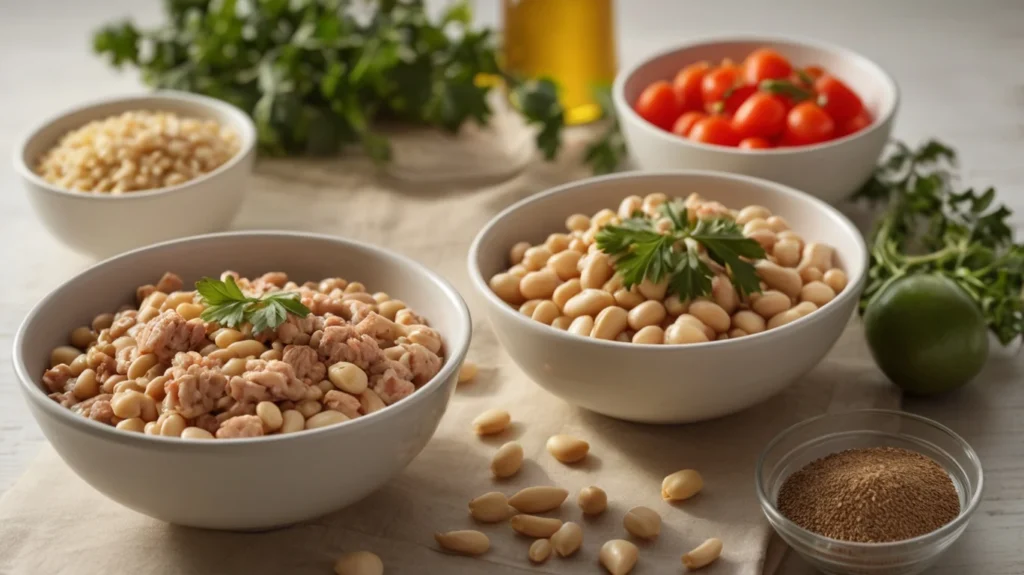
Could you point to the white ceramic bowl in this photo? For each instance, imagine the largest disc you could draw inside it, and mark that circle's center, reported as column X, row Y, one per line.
column 251, row 483
column 657, row 383
column 105, row 224
column 830, row 171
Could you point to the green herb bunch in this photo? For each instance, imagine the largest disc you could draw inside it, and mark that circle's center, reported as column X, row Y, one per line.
column 228, row 306
column 930, row 228
column 317, row 77
column 640, row 251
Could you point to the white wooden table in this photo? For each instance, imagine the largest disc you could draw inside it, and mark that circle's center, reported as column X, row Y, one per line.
column 959, row 65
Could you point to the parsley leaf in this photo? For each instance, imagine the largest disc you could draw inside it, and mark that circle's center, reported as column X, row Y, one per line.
column 228, row 306
column 692, row 274
column 642, row 252
column 726, row 244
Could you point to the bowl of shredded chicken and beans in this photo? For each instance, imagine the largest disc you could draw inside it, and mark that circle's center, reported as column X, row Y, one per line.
column 238, row 357
column 243, row 380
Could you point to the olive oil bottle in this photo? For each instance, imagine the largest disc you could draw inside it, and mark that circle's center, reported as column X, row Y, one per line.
column 570, row 41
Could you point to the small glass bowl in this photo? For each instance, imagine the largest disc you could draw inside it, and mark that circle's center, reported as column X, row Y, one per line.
column 817, row 437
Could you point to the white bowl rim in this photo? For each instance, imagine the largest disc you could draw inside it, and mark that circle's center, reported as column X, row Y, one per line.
column 853, row 287
column 242, row 124
column 619, row 96
column 456, row 353
column 770, row 508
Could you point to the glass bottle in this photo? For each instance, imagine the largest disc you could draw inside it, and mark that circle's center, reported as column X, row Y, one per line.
column 570, row 41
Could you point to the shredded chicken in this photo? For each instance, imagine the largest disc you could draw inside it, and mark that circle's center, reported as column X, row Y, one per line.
column 240, row 426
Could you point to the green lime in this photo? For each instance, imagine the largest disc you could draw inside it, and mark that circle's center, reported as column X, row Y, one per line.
column 926, row 334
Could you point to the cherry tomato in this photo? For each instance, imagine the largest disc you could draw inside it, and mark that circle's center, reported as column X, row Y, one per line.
column 717, row 82
column 814, row 71
column 806, row 124
column 755, row 144
column 714, row 130
column 685, row 123
column 657, row 104
column 838, row 100
column 761, row 115
column 765, row 64
column 733, row 100
column 854, row 124
column 687, row 86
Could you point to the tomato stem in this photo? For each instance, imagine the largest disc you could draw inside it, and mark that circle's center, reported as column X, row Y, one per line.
column 804, row 77
column 785, row 88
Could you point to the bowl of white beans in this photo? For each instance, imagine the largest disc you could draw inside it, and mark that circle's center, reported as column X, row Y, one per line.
column 561, row 308
column 216, row 417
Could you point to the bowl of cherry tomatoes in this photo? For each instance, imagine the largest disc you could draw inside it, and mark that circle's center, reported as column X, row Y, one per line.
column 806, row 114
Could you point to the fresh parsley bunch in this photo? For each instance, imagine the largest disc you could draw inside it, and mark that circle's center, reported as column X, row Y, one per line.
column 318, row 78
column 228, row 306
column 641, row 252
column 929, row 227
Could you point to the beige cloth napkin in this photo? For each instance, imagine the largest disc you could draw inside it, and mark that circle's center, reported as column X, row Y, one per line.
column 53, row 523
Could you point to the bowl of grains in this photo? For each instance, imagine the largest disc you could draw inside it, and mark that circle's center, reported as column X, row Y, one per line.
column 221, row 371
column 124, row 172
column 869, row 492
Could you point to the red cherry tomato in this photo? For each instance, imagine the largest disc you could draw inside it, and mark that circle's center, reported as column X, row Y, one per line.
column 806, row 124
column 687, row 86
column 733, row 100
column 657, row 104
column 755, row 144
column 761, row 115
column 685, row 123
column 717, row 82
column 714, row 130
column 854, row 124
column 765, row 64
column 838, row 100
column 814, row 71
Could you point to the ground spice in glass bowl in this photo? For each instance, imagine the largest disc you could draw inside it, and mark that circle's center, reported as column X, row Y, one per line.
column 870, row 495
column 858, row 492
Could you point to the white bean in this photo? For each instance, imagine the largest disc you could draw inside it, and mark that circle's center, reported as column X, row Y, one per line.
column 652, row 334
column 564, row 264
column 582, row 325
column 597, row 269
column 836, row 279
column 609, row 323
column 711, row 315
column 724, row 293
column 816, row 255
column 752, row 212
column 588, row 302
column 539, row 284
column 628, row 298
column 516, row 253
column 546, row 312
column 769, row 303
column 565, row 291
column 785, row 280
column 818, row 293
column 683, row 333
column 535, row 257
column 629, row 206
column 749, row 322
column 648, row 313
column 787, row 252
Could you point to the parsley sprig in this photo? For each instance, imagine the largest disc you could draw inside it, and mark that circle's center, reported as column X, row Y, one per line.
column 642, row 252
column 228, row 306
column 929, row 227
column 322, row 76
